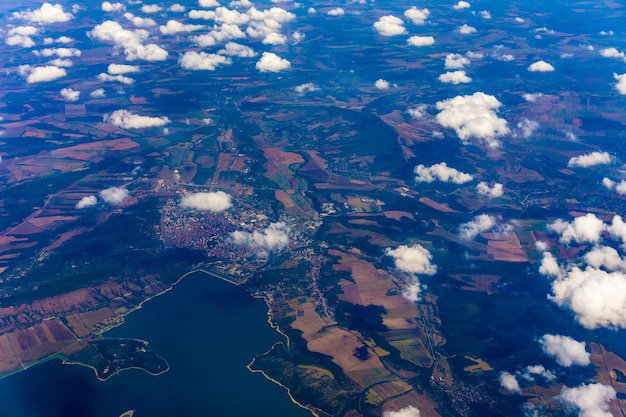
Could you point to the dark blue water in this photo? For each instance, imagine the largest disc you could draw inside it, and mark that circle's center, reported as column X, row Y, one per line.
column 206, row 329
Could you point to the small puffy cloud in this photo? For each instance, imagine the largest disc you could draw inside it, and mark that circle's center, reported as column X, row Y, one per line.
column 270, row 62
column 455, row 77
column 23, row 41
column 236, row 49
column 421, row 40
column 116, row 69
column 306, row 88
column 58, row 62
column 417, row 112
column 621, row 83
column 193, row 60
column 132, row 42
column 525, row 128
column 274, row 38
column 549, row 265
column 589, row 160
column 479, row 224
column 201, row 14
column 97, row 93
column 208, row 3
column 151, row 8
column 215, row 202
column 611, row 53
column 605, row 257
column 274, row 237
column 466, row 29
column 60, row 52
column 565, row 350
column 390, row 26
column 47, row 13
column 41, row 74
column 456, row 61
column 417, row 16
column 127, row 120
column 608, row 183
column 382, row 84
column 509, row 382
column 589, row 400
column 461, row 5
column 140, row 22
column 177, row 8
column 337, row 11
column 440, row 172
column 112, row 7
column 583, row 229
column 473, row 117
column 173, row 27
column 23, row 30
column 474, row 55
column 494, row 191
column 532, row 97
column 532, row 371
column 114, row 195
column 414, row 259
column 115, row 78
column 409, row 411
column 87, row 201
column 540, row 66
column 485, row 14
column 70, row 94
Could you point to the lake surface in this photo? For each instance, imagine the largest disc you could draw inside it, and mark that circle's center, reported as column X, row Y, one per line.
column 206, row 329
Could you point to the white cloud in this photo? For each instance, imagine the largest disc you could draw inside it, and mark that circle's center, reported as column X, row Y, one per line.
column 565, row 350
column 60, row 52
column 140, row 22
column 474, row 55
column 130, row 41
column 540, row 66
column 608, row 183
column 456, row 61
column 421, row 40
column 590, row 400
column 193, row 60
column 47, row 13
column 414, row 259
column 417, row 112
column 114, row 195
column 115, row 69
column 23, row 30
column 173, row 27
column 605, row 257
column 382, row 84
column 151, row 8
column 58, row 62
column 22, row 41
column 274, row 237
column 409, row 411
column 466, row 29
column 583, row 229
column 526, row 128
column 480, row 224
column 41, row 74
column 390, row 26
column 589, row 160
column 455, row 77
column 70, row 94
column 236, row 49
column 60, row 39
column 509, row 382
column 87, row 201
column 611, row 53
column 440, row 172
column 306, row 88
column 621, row 83
column 112, row 7
column 274, row 38
column 337, row 11
column 127, row 120
column 270, row 62
column 492, row 192
column 532, row 97
column 201, row 14
column 241, row 3
column 485, row 14
column 215, row 202
column 461, row 5
column 532, row 371
column 473, row 117
column 116, row 78
column 417, row 16
column 177, row 8
column 208, row 3
column 97, row 93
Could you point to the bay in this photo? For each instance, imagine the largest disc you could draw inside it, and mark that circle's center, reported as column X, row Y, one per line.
column 206, row 329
